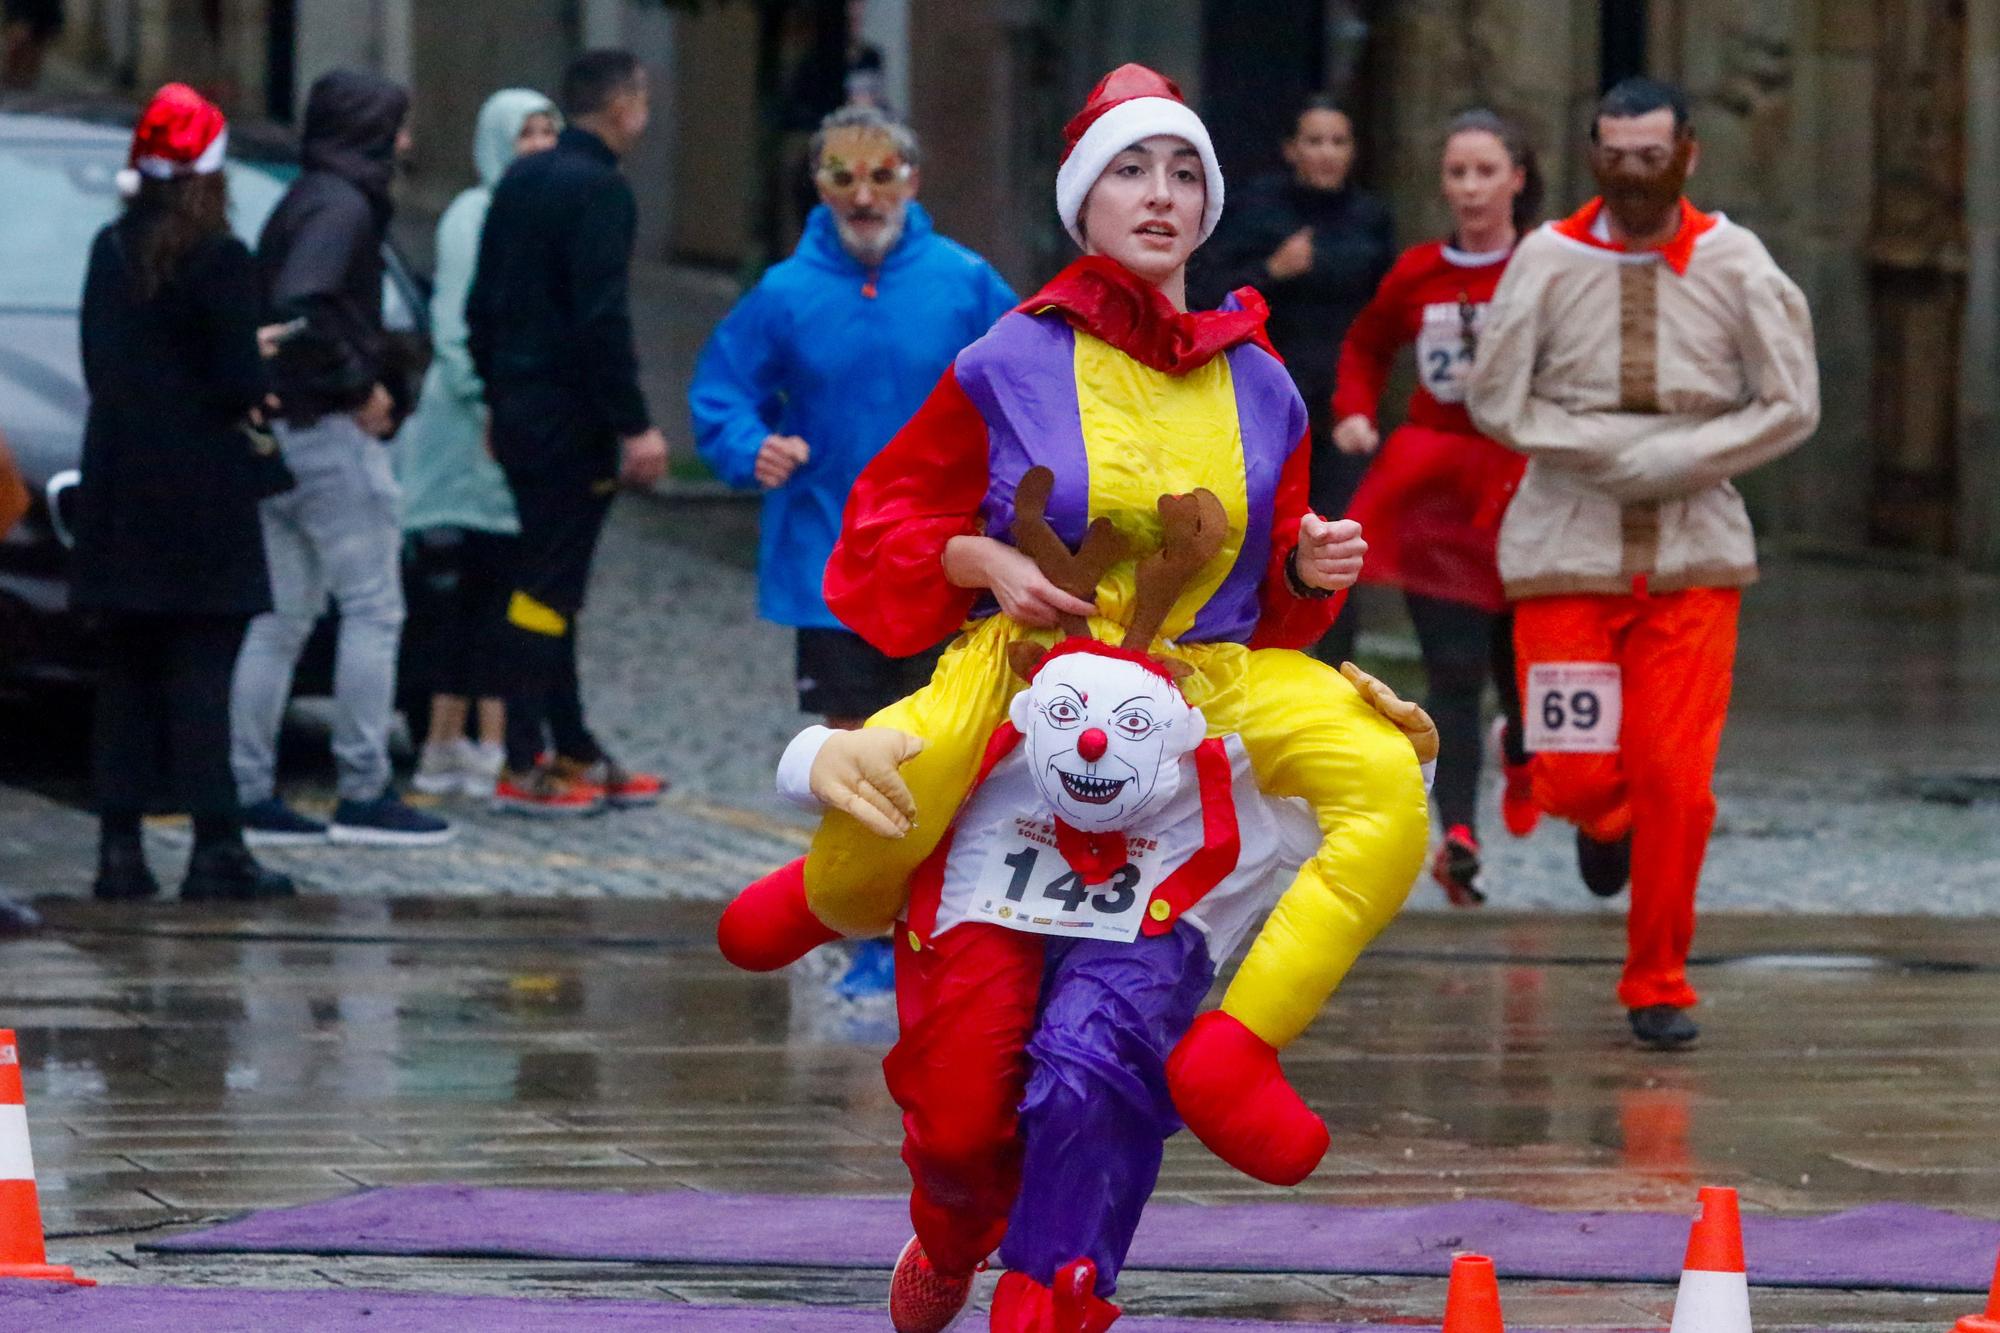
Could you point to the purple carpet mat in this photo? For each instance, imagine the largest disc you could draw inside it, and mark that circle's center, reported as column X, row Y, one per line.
column 46, row 1307
column 1888, row 1246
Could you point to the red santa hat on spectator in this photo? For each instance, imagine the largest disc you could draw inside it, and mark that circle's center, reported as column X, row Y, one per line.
column 1129, row 104
column 181, row 133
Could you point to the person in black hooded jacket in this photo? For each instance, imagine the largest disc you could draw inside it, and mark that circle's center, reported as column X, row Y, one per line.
column 1316, row 246
column 338, row 531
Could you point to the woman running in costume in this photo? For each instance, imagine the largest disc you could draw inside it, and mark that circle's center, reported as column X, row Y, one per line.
column 1123, row 395
column 1110, row 856
column 1431, row 504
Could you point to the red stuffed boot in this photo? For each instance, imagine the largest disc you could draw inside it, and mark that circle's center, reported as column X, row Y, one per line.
column 1070, row 1304
column 769, row 924
column 1228, row 1087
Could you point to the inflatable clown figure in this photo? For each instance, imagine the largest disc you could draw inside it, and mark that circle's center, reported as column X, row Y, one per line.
column 1105, row 379
column 1110, row 856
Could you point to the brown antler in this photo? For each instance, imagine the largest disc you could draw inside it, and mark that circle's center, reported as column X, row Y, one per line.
column 1193, row 528
column 1075, row 572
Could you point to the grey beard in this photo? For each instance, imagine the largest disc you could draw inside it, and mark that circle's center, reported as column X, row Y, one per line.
column 869, row 253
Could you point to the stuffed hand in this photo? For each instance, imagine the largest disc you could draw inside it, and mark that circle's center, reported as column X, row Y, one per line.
column 856, row 772
column 1411, row 720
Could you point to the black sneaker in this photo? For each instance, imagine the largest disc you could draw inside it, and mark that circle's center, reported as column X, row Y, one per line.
column 1606, row 867
column 227, row 872
column 17, row 918
column 387, row 822
column 1663, row 1027
column 272, row 823
column 122, row 873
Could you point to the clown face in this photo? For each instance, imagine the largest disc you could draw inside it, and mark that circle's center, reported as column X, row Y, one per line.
column 1105, row 737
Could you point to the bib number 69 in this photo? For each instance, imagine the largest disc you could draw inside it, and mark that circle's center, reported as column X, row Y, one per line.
column 1574, row 707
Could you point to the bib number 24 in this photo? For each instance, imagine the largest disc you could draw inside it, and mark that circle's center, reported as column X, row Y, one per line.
column 1574, row 707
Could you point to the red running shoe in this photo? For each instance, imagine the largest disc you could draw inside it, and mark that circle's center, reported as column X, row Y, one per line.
column 921, row 1299
column 1455, row 866
column 545, row 793
column 1518, row 810
column 621, row 786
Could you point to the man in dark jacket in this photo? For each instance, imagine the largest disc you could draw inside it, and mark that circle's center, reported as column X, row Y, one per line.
column 337, row 531
column 551, row 335
column 15, row 918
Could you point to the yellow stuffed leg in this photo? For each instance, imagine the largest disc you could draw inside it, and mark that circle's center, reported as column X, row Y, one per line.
column 856, row 881
column 1309, row 734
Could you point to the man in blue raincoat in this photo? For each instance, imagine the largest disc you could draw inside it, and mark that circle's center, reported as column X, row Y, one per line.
column 818, row 366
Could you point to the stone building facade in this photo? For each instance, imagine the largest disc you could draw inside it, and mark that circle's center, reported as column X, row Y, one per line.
column 1860, row 138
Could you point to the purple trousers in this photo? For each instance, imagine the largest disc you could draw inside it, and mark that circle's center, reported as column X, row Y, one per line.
column 1097, row 1114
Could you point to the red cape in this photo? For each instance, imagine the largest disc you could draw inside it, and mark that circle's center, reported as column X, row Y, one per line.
column 1107, row 300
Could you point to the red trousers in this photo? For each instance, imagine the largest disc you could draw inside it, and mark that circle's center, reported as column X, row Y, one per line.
column 1675, row 652
column 966, row 1007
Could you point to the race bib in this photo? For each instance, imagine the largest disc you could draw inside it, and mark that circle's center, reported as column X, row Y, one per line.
column 1573, row 707
column 1444, row 349
column 1024, row 884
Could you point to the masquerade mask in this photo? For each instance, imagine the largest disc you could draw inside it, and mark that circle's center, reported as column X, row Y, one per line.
column 853, row 158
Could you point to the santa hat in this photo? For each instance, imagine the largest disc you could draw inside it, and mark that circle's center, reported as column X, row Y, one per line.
column 1129, row 104
column 181, row 133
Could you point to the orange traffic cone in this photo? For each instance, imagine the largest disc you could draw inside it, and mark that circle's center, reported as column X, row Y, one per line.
column 1472, row 1304
column 1715, row 1294
column 1990, row 1321
column 21, row 1252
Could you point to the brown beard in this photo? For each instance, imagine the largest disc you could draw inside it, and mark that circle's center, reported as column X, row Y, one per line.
column 1643, row 202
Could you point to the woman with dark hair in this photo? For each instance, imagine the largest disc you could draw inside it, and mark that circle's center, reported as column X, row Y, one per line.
column 1315, row 246
column 1432, row 502
column 169, row 553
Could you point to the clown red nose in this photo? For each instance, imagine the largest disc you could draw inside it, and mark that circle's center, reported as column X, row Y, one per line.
column 1092, row 745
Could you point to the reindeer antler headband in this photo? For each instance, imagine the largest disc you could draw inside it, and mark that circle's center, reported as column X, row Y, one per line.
column 1193, row 529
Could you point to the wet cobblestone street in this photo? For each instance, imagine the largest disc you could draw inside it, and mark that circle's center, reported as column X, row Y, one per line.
column 540, row 1003
column 185, row 1066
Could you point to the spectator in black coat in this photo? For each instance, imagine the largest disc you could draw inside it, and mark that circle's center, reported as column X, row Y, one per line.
column 550, row 332
column 16, row 918
column 168, row 548
column 1316, row 246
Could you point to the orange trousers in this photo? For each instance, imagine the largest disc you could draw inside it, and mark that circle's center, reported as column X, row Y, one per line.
column 1675, row 652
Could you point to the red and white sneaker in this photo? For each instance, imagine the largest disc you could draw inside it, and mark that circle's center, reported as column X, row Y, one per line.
column 1455, row 866
column 546, row 793
column 921, row 1299
column 621, row 786
column 1518, row 810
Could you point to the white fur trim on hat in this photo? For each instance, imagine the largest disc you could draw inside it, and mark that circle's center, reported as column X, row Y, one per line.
column 1118, row 129
column 165, row 168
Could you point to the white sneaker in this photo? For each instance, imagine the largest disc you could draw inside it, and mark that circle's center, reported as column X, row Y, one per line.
column 441, row 768
column 479, row 769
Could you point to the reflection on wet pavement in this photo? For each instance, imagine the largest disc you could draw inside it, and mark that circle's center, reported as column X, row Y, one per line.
column 181, row 1065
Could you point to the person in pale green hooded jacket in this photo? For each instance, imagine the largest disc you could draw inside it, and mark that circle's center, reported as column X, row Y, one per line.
column 457, row 509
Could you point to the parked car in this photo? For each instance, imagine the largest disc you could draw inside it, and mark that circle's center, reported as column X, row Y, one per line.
column 60, row 174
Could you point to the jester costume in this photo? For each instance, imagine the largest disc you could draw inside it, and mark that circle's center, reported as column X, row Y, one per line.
column 1098, row 378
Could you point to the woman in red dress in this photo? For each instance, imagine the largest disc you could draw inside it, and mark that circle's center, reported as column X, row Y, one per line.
column 1431, row 504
